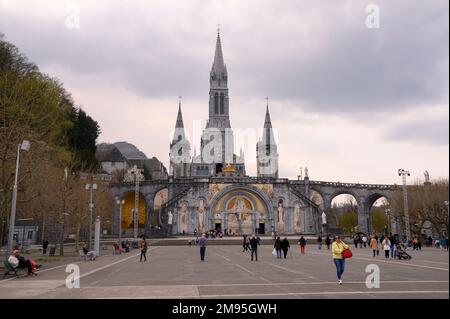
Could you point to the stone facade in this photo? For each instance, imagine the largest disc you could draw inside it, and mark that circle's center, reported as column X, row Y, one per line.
column 212, row 191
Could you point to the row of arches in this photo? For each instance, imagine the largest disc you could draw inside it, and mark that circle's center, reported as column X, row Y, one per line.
column 344, row 209
column 245, row 210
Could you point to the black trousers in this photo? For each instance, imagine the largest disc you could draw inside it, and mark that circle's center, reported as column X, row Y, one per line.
column 143, row 254
column 285, row 251
column 26, row 264
column 255, row 252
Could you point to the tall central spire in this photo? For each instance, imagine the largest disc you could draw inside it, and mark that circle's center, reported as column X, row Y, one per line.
column 218, row 64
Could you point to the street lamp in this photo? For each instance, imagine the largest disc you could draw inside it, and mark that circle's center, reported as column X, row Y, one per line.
column 388, row 216
column 120, row 203
column 448, row 214
column 24, row 146
column 403, row 173
column 135, row 175
column 91, row 206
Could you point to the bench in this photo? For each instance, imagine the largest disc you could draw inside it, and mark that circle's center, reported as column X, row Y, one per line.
column 9, row 269
column 90, row 255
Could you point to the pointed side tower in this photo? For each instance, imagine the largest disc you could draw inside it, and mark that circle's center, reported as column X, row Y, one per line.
column 180, row 149
column 267, row 150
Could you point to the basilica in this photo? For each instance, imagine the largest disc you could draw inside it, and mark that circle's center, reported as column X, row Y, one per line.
column 211, row 190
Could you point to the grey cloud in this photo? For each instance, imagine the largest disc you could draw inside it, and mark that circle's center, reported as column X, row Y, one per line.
column 429, row 132
column 352, row 70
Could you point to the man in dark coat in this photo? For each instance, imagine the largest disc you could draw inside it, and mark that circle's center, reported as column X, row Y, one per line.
column 44, row 246
column 277, row 246
column 254, row 247
column 285, row 246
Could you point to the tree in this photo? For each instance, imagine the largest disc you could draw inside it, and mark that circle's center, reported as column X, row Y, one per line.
column 36, row 107
column 425, row 203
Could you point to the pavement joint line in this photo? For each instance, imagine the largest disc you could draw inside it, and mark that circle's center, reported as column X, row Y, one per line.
column 245, row 269
column 328, row 293
column 109, row 265
column 227, row 259
column 287, row 269
column 397, row 263
column 283, row 284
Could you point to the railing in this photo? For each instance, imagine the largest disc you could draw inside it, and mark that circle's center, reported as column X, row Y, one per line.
column 346, row 185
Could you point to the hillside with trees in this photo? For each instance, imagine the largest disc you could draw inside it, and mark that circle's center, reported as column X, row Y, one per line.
column 36, row 107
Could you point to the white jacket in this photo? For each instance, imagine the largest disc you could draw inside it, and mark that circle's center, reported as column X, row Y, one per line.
column 386, row 244
column 13, row 261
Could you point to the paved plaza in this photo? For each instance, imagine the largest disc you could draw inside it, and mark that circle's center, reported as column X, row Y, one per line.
column 177, row 272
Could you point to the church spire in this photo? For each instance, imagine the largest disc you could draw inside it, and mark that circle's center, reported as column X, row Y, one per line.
column 179, row 123
column 218, row 64
column 268, row 137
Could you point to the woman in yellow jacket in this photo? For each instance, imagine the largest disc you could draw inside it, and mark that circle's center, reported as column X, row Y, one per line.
column 337, row 248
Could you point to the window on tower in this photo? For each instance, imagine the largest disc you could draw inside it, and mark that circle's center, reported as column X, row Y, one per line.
column 222, row 103
column 216, row 103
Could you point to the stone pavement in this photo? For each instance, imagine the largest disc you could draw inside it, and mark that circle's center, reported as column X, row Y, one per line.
column 177, row 272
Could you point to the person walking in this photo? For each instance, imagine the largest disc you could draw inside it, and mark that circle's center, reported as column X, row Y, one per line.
column 364, row 240
column 285, row 246
column 356, row 241
column 328, row 242
column 143, row 249
column 386, row 246
column 244, row 243
column 319, row 242
column 202, row 244
column 254, row 242
column 337, row 248
column 302, row 243
column 277, row 246
column 44, row 246
column 374, row 246
column 393, row 240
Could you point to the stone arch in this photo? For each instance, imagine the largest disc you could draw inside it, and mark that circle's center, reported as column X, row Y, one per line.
column 127, row 221
column 159, row 197
column 368, row 209
column 317, row 197
column 237, row 190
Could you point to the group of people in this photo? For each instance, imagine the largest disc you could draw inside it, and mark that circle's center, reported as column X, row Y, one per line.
column 18, row 261
column 281, row 246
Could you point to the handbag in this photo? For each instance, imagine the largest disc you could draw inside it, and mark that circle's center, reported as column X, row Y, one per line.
column 274, row 252
column 347, row 253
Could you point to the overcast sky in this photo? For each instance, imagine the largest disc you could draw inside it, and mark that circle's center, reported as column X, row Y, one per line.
column 352, row 103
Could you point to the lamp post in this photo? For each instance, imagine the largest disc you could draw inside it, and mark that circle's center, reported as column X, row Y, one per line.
column 388, row 216
column 446, row 203
column 90, row 187
column 24, row 146
column 403, row 173
column 63, row 223
column 120, row 203
column 135, row 175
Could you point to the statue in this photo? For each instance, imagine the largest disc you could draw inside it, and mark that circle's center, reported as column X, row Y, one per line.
column 306, row 172
column 427, row 177
column 280, row 212
column 324, row 218
column 170, row 219
column 201, row 215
